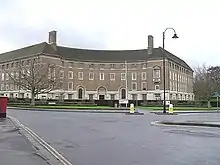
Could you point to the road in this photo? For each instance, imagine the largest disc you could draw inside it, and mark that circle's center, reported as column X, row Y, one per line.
column 119, row 139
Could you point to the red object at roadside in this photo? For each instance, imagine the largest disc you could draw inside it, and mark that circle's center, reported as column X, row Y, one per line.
column 3, row 106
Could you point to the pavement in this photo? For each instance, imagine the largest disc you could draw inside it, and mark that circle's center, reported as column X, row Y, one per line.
column 120, row 139
column 15, row 149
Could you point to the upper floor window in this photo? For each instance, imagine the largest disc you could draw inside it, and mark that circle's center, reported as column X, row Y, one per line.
column 80, row 75
column 112, row 76
column 134, row 76
column 12, row 65
column 134, row 65
column 156, row 73
column 61, row 74
column 134, row 86
column 144, row 66
column 91, row 76
column 91, row 66
column 102, row 66
column 112, row 66
column 3, row 66
column 101, row 76
column 7, row 66
column 123, row 76
column 144, row 85
column 70, row 75
column 62, row 63
column 144, row 75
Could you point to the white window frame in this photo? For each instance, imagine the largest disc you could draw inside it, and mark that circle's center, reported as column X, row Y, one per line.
column 134, row 76
column 111, row 76
column 135, row 86
column 80, row 75
column 62, row 73
column 69, row 86
column 70, row 73
column 142, row 85
column 155, row 75
column 101, row 76
column 3, row 76
column 7, row 76
column 91, row 77
column 144, row 77
column 123, row 77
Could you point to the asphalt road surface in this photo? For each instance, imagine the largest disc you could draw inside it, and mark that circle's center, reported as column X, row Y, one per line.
column 119, row 139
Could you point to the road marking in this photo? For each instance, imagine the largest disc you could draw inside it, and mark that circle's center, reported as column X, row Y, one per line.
column 49, row 148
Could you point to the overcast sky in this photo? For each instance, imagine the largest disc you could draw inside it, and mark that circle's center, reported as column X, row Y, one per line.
column 115, row 24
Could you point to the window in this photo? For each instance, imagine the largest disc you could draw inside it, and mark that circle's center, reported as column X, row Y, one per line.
column 80, row 75
column 61, row 74
column 144, row 86
column 12, row 74
column 134, row 65
column 134, row 76
column 3, row 66
column 134, row 86
column 112, row 66
column 112, row 76
column 12, row 65
column 102, row 66
column 28, row 62
column 144, row 66
column 70, row 74
column 16, row 64
column 156, row 73
column 112, row 96
column 175, row 77
column 22, row 63
column 122, row 65
column 123, row 76
column 16, row 75
column 62, row 63
column 144, row 96
column 2, row 87
column 134, row 96
column 91, row 66
column 7, row 87
column 91, row 96
column 101, row 76
column 70, row 86
column 11, row 86
column 157, row 87
column 7, row 76
column 3, row 76
column 91, row 76
column 170, row 75
column 144, row 75
column 7, row 66
column 123, row 94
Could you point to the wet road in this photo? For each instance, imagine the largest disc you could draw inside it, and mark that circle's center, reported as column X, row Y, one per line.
column 119, row 139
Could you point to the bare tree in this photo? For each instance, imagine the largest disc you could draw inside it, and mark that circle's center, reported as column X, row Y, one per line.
column 36, row 77
column 206, row 82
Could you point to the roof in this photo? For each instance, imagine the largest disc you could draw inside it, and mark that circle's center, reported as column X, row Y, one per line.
column 91, row 55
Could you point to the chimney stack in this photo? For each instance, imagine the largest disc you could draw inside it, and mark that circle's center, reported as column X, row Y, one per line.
column 150, row 44
column 53, row 37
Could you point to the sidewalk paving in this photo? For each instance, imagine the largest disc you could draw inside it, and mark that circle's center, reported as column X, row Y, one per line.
column 14, row 148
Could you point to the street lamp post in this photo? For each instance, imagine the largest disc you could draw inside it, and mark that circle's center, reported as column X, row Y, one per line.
column 164, row 72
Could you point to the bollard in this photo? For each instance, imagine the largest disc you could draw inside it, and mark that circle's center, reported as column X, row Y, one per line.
column 3, row 106
column 170, row 108
column 131, row 108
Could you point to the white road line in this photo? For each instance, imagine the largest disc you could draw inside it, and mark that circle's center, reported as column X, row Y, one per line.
column 50, row 149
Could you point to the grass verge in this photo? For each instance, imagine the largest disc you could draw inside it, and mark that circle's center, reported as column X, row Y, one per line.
column 180, row 108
